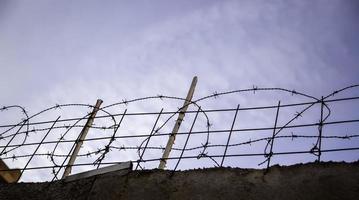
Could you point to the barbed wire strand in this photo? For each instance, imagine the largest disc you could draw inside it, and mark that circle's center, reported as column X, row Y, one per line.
column 102, row 152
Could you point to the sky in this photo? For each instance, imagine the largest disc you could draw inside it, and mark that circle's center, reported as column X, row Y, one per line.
column 57, row 52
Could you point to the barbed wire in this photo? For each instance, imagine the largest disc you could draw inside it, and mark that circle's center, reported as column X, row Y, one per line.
column 156, row 131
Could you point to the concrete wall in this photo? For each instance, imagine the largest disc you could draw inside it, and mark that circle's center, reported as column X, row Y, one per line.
column 310, row 181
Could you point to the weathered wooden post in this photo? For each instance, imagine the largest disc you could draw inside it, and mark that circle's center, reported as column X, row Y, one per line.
column 82, row 138
column 179, row 120
column 8, row 175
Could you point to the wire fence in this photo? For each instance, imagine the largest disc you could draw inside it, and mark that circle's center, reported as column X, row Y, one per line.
column 309, row 130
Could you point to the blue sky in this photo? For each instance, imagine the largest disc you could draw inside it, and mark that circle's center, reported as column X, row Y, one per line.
column 77, row 51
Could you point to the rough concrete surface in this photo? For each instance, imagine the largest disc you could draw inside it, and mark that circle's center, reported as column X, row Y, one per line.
column 303, row 181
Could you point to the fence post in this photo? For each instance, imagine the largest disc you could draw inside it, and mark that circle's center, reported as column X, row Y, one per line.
column 320, row 128
column 82, row 138
column 229, row 136
column 185, row 144
column 273, row 136
column 38, row 146
column 12, row 138
column 148, row 140
column 179, row 120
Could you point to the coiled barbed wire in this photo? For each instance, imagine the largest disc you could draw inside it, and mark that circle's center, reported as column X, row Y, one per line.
column 101, row 152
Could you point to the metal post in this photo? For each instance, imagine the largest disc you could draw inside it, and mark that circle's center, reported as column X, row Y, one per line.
column 229, row 136
column 81, row 138
column 179, row 120
column 320, row 129
column 185, row 144
column 38, row 146
column 273, row 136
column 148, row 140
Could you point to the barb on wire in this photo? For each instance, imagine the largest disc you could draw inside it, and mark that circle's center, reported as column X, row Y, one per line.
column 14, row 138
column 112, row 139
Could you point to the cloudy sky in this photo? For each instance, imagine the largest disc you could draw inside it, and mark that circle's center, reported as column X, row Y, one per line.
column 55, row 52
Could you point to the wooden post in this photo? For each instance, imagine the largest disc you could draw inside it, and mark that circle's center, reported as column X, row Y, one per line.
column 8, row 175
column 81, row 138
column 179, row 120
